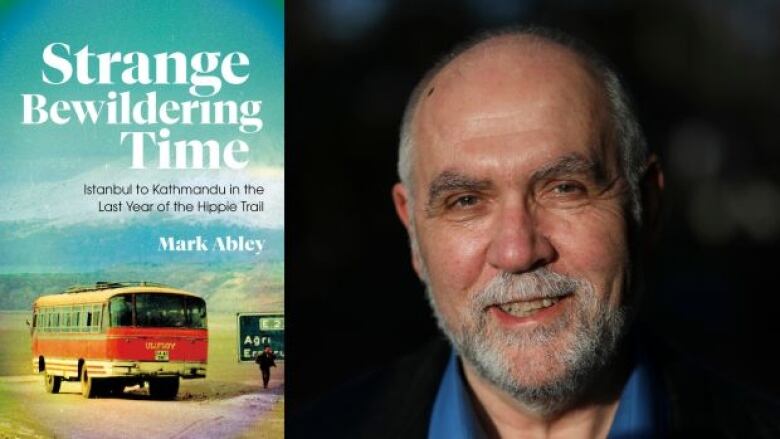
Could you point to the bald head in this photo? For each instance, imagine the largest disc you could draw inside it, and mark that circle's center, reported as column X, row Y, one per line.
column 496, row 74
column 519, row 75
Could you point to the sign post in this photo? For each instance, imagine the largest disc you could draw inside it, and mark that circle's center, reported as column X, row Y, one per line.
column 255, row 330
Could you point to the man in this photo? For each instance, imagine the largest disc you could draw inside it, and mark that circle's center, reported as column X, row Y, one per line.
column 529, row 194
column 266, row 361
column 518, row 196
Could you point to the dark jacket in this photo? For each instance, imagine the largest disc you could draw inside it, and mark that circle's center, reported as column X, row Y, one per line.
column 266, row 360
column 396, row 402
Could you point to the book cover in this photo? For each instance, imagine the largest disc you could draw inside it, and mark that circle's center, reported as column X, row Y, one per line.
column 142, row 219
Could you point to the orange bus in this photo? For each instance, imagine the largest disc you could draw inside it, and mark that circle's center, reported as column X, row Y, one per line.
column 112, row 335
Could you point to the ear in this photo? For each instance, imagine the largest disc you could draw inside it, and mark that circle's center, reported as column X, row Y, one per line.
column 652, row 187
column 402, row 203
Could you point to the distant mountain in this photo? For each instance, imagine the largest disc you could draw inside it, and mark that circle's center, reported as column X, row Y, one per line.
column 41, row 257
column 226, row 286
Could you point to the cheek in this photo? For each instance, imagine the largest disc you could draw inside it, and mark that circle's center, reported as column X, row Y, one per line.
column 592, row 245
column 454, row 257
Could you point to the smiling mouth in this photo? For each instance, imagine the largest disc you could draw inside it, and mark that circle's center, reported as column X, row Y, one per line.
column 525, row 308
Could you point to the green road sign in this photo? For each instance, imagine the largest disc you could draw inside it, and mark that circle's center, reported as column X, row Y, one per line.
column 255, row 330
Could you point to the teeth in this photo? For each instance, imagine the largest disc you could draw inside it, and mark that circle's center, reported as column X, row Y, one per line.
column 526, row 308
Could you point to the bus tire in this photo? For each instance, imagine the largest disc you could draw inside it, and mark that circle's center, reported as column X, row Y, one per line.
column 164, row 388
column 51, row 382
column 89, row 386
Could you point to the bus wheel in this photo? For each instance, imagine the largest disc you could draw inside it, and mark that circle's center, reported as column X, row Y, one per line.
column 89, row 388
column 51, row 382
column 164, row 388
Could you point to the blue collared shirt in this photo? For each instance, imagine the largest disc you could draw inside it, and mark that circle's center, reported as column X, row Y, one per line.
column 639, row 415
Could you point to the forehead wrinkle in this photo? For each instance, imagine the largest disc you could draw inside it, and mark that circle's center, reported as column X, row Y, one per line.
column 498, row 123
column 454, row 115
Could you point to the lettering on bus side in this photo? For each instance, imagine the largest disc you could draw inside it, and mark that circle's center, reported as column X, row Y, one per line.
column 153, row 346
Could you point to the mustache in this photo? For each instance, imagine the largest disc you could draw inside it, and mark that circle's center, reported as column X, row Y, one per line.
column 541, row 283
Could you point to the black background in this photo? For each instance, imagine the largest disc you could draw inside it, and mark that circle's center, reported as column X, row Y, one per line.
column 704, row 75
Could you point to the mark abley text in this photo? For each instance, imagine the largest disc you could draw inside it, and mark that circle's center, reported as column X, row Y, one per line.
column 220, row 243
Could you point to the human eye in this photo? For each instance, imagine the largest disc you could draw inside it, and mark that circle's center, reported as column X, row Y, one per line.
column 565, row 192
column 568, row 188
column 465, row 201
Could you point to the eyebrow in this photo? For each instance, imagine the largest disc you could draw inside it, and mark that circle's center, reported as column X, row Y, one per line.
column 449, row 181
column 572, row 164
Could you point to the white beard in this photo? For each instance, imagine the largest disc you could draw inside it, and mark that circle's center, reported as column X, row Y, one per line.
column 572, row 350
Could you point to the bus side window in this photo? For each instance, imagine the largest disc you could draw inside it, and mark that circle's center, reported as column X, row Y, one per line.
column 95, row 322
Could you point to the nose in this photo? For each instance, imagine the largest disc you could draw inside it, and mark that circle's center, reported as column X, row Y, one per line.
column 517, row 245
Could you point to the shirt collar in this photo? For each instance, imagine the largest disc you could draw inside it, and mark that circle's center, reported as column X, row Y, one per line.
column 639, row 414
column 453, row 415
column 641, row 411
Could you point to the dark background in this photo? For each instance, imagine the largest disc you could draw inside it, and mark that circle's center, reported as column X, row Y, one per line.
column 704, row 75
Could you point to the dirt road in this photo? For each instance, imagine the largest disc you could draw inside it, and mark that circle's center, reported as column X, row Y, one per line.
column 202, row 410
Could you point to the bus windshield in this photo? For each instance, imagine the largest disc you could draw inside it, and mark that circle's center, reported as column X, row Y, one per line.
column 158, row 311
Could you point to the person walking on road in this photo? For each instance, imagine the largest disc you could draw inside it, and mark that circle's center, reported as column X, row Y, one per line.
column 265, row 360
